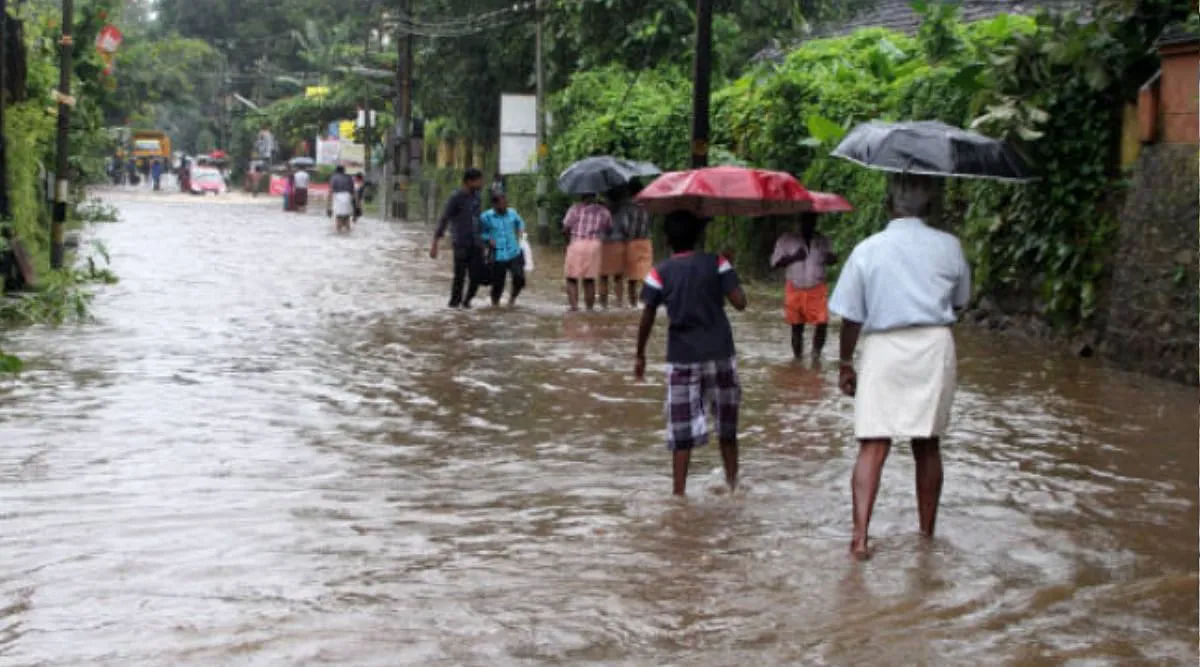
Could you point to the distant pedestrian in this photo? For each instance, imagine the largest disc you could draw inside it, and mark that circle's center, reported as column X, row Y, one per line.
column 639, row 251
column 341, row 199
column 502, row 228
column 185, row 175
column 144, row 168
column 900, row 289
column 360, row 189
column 300, row 181
column 156, row 171
column 131, row 177
column 612, row 261
column 701, row 366
column 289, row 183
column 461, row 216
column 805, row 256
column 586, row 223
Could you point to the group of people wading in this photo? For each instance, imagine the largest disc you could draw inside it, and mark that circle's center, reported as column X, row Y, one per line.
column 897, row 296
column 346, row 194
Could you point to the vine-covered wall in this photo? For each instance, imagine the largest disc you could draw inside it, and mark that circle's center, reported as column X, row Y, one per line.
column 1154, row 315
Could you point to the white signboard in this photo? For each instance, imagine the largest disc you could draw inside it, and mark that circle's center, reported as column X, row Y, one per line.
column 328, row 151
column 340, row 151
column 518, row 134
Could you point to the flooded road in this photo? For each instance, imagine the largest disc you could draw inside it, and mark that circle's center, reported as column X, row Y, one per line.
column 277, row 446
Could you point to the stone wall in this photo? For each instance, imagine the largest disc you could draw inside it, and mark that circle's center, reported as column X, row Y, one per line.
column 1154, row 307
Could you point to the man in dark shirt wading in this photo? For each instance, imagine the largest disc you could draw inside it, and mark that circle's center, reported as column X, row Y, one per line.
column 462, row 216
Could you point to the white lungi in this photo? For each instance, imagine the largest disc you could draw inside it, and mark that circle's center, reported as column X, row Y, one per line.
column 343, row 204
column 906, row 383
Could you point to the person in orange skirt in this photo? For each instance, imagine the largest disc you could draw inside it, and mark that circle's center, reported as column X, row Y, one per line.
column 805, row 256
column 639, row 252
column 586, row 224
column 612, row 262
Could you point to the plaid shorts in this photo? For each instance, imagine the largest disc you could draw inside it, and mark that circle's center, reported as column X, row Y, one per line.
column 691, row 389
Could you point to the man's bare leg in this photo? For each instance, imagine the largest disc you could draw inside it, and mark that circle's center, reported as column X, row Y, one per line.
column 573, row 293
column 679, row 470
column 589, row 293
column 798, row 340
column 729, row 456
column 819, row 340
column 864, row 487
column 928, row 455
column 633, row 294
column 604, row 292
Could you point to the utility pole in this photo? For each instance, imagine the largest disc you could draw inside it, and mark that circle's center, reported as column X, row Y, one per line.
column 543, row 216
column 701, row 80
column 62, row 186
column 5, row 211
column 400, row 149
column 367, row 97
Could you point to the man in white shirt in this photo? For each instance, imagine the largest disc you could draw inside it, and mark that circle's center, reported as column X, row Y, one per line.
column 300, row 193
column 900, row 289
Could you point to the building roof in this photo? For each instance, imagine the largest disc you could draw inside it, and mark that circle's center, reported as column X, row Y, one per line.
column 1177, row 35
column 898, row 15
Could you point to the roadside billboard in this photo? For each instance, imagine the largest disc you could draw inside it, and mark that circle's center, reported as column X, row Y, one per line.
column 518, row 134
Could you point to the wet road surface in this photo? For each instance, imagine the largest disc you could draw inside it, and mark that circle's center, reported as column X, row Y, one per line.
column 276, row 446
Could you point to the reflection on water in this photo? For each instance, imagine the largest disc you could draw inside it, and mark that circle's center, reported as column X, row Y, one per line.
column 275, row 445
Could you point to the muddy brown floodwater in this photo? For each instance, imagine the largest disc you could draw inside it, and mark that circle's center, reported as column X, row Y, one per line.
column 276, row 446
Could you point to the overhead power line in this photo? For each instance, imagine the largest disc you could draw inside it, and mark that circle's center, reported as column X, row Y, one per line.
column 471, row 24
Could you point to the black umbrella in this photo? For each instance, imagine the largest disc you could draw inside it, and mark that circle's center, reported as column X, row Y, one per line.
column 933, row 149
column 602, row 173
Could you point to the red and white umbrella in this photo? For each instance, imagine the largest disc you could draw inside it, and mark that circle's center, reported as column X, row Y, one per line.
column 827, row 202
column 732, row 191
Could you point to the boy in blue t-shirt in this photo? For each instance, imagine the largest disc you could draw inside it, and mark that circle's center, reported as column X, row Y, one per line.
column 701, row 367
column 502, row 228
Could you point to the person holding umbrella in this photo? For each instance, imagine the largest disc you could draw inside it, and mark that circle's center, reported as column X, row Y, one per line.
column 586, row 178
column 300, row 181
column 586, row 223
column 805, row 256
column 899, row 291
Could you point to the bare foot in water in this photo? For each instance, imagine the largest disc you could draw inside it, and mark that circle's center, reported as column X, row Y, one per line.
column 859, row 549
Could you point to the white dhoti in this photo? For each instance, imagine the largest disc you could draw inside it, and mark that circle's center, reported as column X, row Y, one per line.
column 343, row 204
column 905, row 384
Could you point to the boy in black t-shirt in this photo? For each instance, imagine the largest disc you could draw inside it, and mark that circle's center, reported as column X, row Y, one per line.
column 701, row 368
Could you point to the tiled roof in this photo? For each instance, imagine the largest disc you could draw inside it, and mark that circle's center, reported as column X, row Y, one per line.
column 898, row 14
column 1178, row 34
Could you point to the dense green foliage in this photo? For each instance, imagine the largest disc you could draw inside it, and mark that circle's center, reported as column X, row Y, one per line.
column 1052, row 85
column 30, row 121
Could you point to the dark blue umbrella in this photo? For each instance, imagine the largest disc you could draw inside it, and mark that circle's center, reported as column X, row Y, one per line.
column 933, row 149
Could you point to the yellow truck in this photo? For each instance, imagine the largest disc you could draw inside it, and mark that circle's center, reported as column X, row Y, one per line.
column 150, row 144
